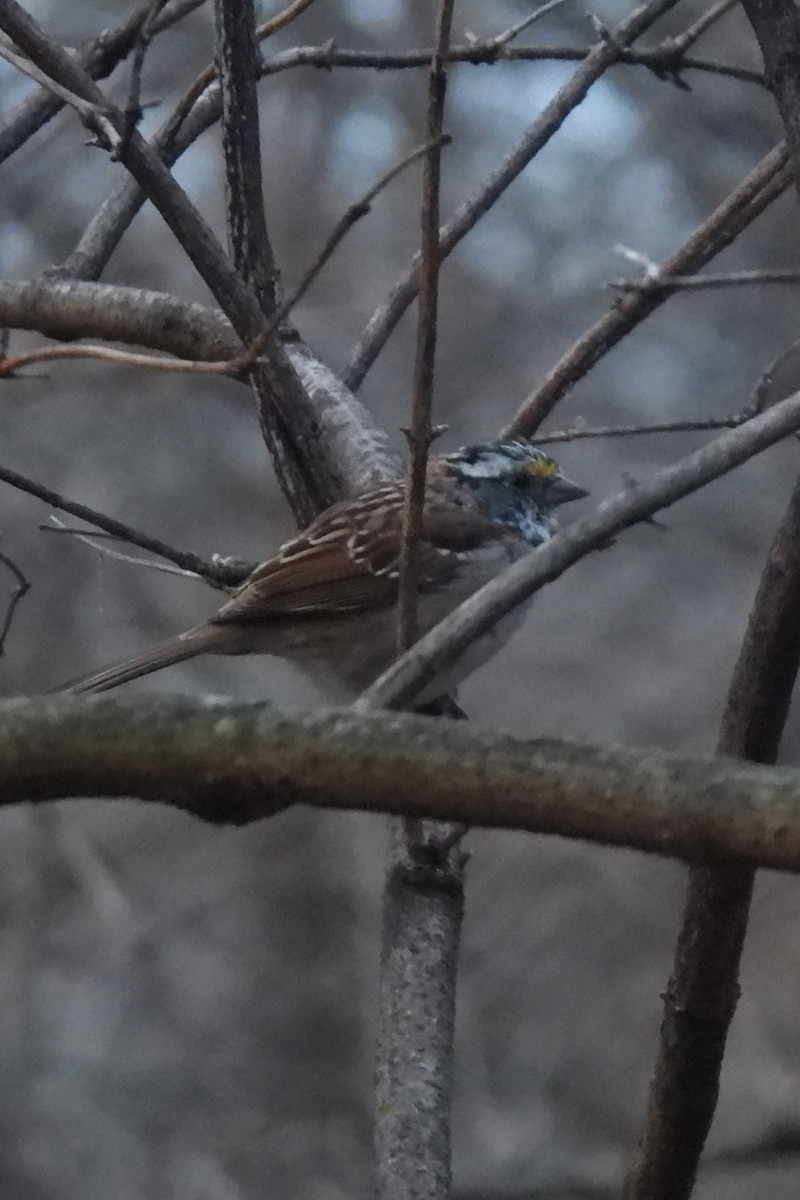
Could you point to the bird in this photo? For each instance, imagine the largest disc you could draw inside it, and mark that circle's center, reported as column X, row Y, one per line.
column 326, row 600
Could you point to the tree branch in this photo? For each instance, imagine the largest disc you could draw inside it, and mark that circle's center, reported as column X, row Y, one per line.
column 68, row 309
column 232, row 763
column 662, row 59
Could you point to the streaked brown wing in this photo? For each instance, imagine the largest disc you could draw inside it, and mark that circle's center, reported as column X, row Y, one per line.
column 347, row 560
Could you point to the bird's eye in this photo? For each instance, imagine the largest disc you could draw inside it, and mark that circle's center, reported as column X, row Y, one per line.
column 520, row 480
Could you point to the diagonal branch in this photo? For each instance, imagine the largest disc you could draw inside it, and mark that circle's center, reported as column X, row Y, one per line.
column 755, row 193
column 580, row 430
column 434, row 653
column 219, row 573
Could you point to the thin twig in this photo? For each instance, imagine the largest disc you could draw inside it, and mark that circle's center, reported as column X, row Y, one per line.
column 755, row 193
column 214, row 573
column 578, row 431
column 704, row 282
column 703, row 23
column 672, row 50
column 602, row 56
column 90, row 540
column 133, row 106
column 421, row 433
column 282, row 18
column 23, row 586
column 84, row 108
column 76, row 531
column 357, row 210
column 503, row 39
column 10, row 367
column 661, row 60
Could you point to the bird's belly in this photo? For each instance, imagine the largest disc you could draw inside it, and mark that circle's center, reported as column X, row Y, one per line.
column 345, row 654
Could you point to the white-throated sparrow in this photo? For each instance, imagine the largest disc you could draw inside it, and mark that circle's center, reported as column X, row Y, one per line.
column 326, row 599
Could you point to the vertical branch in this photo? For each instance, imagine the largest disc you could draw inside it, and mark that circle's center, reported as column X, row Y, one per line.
column 776, row 24
column 420, row 433
column 424, row 894
column 703, row 990
column 237, row 56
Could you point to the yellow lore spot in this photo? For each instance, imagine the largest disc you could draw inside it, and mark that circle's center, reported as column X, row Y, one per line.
column 543, row 468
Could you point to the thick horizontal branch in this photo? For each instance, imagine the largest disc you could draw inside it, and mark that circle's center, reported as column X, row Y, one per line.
column 227, row 762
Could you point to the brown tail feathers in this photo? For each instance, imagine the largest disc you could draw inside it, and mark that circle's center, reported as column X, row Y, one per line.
column 188, row 645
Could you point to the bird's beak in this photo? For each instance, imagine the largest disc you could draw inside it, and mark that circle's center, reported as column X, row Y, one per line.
column 562, row 490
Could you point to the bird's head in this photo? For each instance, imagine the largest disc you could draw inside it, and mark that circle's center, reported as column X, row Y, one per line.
column 514, row 483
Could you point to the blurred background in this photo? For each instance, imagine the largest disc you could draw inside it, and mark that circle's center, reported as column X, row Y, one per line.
column 189, row 1012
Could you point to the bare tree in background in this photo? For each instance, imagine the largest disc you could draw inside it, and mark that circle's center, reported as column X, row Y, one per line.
column 231, row 764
